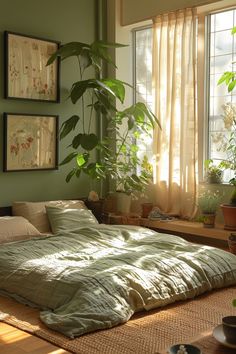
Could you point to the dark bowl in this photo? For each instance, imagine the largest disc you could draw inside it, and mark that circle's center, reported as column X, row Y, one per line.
column 190, row 349
column 229, row 328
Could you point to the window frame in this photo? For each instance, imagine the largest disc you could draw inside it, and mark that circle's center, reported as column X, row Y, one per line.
column 203, row 82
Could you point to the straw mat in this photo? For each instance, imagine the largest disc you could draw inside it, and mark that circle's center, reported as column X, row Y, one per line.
column 146, row 333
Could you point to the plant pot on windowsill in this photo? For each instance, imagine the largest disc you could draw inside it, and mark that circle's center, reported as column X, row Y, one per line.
column 208, row 204
column 123, row 202
column 229, row 213
column 146, row 209
column 209, row 220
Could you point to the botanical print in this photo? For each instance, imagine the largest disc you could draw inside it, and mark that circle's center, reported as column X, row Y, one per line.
column 28, row 75
column 31, row 142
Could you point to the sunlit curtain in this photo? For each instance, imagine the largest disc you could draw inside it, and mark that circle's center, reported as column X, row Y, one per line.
column 175, row 146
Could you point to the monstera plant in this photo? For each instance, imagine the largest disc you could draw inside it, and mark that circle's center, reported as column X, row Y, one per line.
column 116, row 154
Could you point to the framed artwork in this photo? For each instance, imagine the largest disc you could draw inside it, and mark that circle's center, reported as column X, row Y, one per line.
column 30, row 142
column 26, row 73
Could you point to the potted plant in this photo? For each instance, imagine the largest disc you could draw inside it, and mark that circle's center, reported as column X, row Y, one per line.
column 208, row 203
column 116, row 155
column 213, row 173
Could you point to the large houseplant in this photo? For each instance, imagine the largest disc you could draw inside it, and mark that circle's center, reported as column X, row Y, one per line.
column 229, row 146
column 116, row 154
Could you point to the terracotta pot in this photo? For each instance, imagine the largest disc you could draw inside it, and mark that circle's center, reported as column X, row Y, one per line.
column 133, row 220
column 146, row 209
column 229, row 213
column 209, row 220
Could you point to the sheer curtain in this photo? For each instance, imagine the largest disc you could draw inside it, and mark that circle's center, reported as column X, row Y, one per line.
column 175, row 146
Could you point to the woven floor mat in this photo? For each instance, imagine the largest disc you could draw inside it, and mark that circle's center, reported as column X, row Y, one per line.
column 146, row 333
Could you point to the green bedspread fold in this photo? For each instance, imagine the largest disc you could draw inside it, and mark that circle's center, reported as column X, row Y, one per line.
column 93, row 278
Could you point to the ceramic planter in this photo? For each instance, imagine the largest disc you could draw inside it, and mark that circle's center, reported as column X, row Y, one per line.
column 146, row 209
column 209, row 220
column 123, row 202
column 229, row 213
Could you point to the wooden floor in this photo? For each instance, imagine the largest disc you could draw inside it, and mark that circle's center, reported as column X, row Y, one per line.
column 15, row 341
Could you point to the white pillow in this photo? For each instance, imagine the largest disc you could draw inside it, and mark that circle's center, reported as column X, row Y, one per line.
column 35, row 212
column 64, row 219
column 16, row 228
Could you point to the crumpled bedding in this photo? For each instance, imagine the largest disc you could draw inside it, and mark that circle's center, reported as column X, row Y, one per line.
column 92, row 278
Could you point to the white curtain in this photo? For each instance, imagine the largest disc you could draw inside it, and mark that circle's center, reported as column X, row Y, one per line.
column 175, row 146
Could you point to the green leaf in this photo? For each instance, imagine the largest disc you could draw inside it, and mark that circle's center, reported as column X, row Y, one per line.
column 101, row 84
column 105, row 100
column 78, row 172
column 68, row 158
column 70, row 175
column 81, row 160
column 68, row 50
column 100, row 53
column 117, row 88
column 131, row 122
column 233, row 30
column 85, row 58
column 68, row 126
column 134, row 148
column 76, row 141
column 231, row 86
column 222, row 78
column 109, row 44
column 52, row 58
column 89, row 141
column 234, row 301
column 78, row 89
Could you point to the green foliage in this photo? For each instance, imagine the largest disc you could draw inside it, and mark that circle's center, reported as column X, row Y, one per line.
column 208, row 202
column 117, row 154
column 213, row 172
column 234, row 302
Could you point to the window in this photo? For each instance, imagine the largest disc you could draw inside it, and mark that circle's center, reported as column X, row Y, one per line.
column 222, row 54
column 142, row 39
column 220, row 47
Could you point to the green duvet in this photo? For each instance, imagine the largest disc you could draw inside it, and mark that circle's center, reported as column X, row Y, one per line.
column 95, row 278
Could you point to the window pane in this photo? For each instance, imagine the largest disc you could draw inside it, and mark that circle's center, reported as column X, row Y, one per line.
column 223, row 21
column 222, row 53
column 143, row 82
column 223, row 42
column 221, row 63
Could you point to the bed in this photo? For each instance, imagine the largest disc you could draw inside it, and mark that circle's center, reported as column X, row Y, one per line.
column 88, row 276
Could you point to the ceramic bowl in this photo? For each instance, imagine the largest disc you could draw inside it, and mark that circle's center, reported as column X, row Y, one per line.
column 229, row 328
column 190, row 349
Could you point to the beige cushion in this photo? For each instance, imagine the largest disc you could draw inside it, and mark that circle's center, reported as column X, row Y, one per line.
column 16, row 228
column 35, row 212
column 63, row 219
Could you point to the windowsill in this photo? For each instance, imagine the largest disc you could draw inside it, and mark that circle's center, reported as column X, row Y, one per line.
column 188, row 228
column 224, row 184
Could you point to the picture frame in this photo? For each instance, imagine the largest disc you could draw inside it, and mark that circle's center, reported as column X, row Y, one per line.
column 30, row 142
column 26, row 74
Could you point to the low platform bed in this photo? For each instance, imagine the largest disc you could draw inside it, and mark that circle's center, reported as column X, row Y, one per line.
column 89, row 276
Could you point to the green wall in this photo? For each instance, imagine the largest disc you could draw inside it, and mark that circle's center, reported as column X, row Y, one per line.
column 65, row 21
